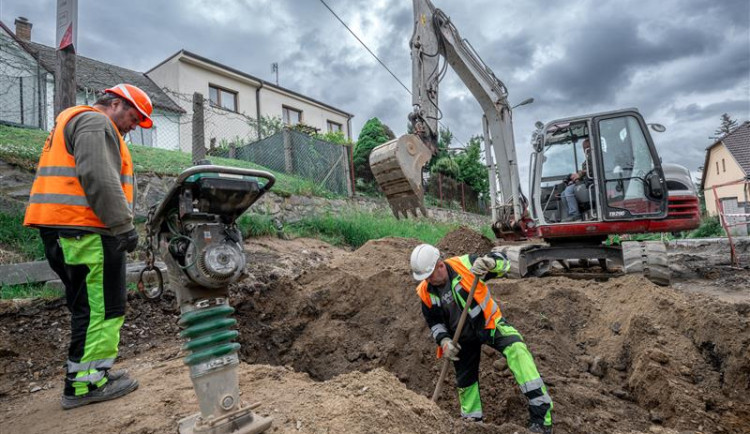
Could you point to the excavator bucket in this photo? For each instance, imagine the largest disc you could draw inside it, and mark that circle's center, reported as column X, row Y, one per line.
column 397, row 166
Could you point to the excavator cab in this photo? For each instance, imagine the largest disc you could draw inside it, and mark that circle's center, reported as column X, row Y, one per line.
column 598, row 168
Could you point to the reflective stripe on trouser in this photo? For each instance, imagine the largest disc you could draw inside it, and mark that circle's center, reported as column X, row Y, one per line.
column 93, row 272
column 507, row 340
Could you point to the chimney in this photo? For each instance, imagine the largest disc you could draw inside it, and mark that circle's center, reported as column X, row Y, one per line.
column 23, row 29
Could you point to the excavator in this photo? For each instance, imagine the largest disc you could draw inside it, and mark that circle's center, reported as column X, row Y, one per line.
column 623, row 189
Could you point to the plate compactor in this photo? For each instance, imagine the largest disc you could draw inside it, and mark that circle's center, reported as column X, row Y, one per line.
column 194, row 229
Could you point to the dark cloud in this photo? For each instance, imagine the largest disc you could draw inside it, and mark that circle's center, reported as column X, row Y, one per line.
column 681, row 62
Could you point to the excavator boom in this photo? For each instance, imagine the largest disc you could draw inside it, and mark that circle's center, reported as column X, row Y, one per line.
column 397, row 165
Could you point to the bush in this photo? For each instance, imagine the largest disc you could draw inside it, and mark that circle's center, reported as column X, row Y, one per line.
column 710, row 227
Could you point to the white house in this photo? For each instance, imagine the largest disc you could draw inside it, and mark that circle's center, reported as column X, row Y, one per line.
column 28, row 70
column 237, row 100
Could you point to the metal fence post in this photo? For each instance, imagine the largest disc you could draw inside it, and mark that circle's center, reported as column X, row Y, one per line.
column 288, row 151
column 440, row 188
column 463, row 198
column 20, row 90
column 199, row 141
column 233, row 151
column 350, row 151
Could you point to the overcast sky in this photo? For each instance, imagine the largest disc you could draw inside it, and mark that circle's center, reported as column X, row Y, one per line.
column 681, row 62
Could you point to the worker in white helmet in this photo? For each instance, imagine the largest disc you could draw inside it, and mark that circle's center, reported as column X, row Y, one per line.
column 444, row 287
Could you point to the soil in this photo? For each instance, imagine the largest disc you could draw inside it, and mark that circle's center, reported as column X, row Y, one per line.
column 333, row 341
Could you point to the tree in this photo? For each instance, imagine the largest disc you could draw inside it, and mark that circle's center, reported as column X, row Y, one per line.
column 471, row 169
column 373, row 134
column 447, row 166
column 727, row 126
column 445, row 137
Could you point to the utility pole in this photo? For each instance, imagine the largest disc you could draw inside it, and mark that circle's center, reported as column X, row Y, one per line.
column 67, row 39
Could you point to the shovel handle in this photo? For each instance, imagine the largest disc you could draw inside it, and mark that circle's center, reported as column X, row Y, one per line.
column 456, row 335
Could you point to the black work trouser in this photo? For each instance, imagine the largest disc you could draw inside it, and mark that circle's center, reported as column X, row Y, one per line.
column 93, row 272
column 507, row 341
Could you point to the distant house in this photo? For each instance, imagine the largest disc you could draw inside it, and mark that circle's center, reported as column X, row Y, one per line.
column 237, row 100
column 28, row 70
column 728, row 160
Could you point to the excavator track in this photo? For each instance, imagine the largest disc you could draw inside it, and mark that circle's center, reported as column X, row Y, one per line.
column 648, row 258
column 397, row 167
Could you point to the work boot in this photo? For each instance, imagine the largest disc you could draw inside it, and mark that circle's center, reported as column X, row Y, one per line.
column 116, row 374
column 112, row 389
column 471, row 419
column 539, row 428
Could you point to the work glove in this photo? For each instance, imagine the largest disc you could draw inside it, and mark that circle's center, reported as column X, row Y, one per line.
column 128, row 241
column 450, row 349
column 483, row 265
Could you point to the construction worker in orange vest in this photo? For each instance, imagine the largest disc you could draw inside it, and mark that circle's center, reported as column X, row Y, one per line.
column 82, row 203
column 444, row 287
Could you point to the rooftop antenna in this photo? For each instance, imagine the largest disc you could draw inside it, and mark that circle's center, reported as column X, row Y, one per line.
column 275, row 68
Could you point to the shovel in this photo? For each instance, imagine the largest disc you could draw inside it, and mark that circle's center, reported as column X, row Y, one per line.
column 461, row 321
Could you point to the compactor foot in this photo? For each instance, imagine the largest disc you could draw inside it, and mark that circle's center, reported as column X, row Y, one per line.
column 245, row 423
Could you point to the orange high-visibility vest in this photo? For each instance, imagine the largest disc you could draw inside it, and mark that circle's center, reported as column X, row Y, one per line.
column 490, row 309
column 57, row 197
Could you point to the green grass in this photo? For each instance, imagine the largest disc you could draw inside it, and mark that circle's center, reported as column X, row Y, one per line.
column 32, row 290
column 20, row 239
column 354, row 229
column 22, row 146
column 350, row 228
column 256, row 225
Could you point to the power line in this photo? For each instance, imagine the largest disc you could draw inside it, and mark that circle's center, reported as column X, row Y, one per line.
column 366, row 47
column 380, row 61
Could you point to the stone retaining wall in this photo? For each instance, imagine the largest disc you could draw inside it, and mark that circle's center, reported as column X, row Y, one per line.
column 15, row 183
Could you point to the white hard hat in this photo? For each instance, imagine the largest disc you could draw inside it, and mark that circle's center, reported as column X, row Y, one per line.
column 424, row 257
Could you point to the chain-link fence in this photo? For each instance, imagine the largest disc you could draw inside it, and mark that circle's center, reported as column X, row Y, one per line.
column 449, row 193
column 24, row 87
column 295, row 153
column 210, row 130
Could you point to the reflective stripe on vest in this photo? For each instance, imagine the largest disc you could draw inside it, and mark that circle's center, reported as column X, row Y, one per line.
column 57, row 197
column 461, row 265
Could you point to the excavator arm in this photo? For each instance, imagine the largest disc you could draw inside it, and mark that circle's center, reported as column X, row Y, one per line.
column 397, row 164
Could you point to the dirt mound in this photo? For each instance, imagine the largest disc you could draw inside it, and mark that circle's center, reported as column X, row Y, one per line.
column 464, row 241
column 618, row 356
column 373, row 402
column 608, row 348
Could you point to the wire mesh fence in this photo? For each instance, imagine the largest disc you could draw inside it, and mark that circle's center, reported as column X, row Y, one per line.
column 23, row 87
column 450, row 193
column 208, row 130
column 296, row 153
column 22, row 101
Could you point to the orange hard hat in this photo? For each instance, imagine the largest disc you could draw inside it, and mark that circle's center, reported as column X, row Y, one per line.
column 137, row 99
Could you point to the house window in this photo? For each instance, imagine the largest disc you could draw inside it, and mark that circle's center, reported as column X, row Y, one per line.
column 717, row 167
column 334, row 127
column 223, row 98
column 291, row 116
column 723, row 166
